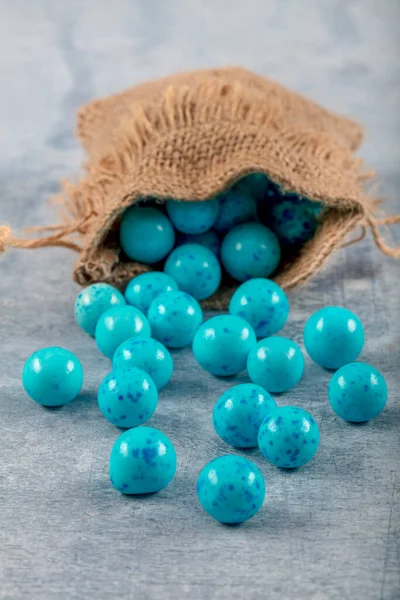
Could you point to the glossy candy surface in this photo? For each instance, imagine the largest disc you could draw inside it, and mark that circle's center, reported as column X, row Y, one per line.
column 210, row 239
column 333, row 337
column 250, row 250
column 357, row 392
column 289, row 437
column 235, row 206
column 231, row 489
column 193, row 217
column 239, row 412
column 222, row 344
column 293, row 222
column 263, row 304
column 92, row 302
column 119, row 324
column 276, row 364
column 141, row 291
column 146, row 234
column 147, row 354
column 142, row 461
column 174, row 318
column 52, row 376
column 195, row 269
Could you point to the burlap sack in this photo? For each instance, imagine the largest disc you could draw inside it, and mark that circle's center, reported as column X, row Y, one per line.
column 189, row 137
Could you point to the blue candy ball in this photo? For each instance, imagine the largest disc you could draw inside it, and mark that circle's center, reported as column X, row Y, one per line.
column 52, row 376
column 142, row 461
column 263, row 304
column 257, row 184
column 235, row 206
column 357, row 392
column 250, row 250
column 142, row 290
column 293, row 222
column 92, row 302
column 333, row 337
column 193, row 217
column 289, row 437
column 222, row 344
column 119, row 324
column 146, row 234
column 127, row 397
column 195, row 269
column 231, row 489
column 174, row 318
column 276, row 364
column 239, row 412
column 209, row 239
column 147, row 354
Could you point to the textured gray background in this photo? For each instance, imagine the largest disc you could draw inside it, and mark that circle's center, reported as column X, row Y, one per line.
column 327, row 531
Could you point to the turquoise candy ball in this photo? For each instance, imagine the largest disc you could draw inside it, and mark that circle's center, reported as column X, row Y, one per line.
column 250, row 250
column 209, row 239
column 174, row 318
column 195, row 269
column 239, row 412
column 263, row 304
column 276, row 364
column 193, row 217
column 52, row 376
column 119, row 324
column 141, row 290
column 146, row 234
column 257, row 184
column 333, row 337
column 293, row 222
column 92, row 302
column 289, row 437
column 357, row 392
column 142, row 461
column 127, row 397
column 147, row 354
column 235, row 206
column 222, row 344
column 231, row 489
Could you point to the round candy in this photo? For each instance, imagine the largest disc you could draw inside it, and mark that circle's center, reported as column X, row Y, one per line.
column 195, row 269
column 257, row 184
column 147, row 354
column 333, row 337
column 293, row 222
column 250, row 250
column 142, row 461
column 239, row 412
column 263, row 304
column 209, row 239
column 222, row 344
column 231, row 489
column 92, row 302
column 357, row 392
column 289, row 437
column 142, row 290
column 146, row 234
column 119, row 324
column 276, row 364
column 235, row 206
column 127, row 397
column 193, row 217
column 52, row 376
column 174, row 318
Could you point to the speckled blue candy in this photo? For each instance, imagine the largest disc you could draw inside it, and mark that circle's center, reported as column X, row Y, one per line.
column 142, row 461
column 210, row 239
column 146, row 234
column 293, row 222
column 174, row 318
column 119, row 324
column 239, row 412
column 147, row 354
column 52, row 376
column 263, row 304
column 231, row 489
column 222, row 344
column 195, row 269
column 357, row 392
column 236, row 206
column 193, row 217
column 250, row 250
column 92, row 302
column 333, row 337
column 141, row 291
column 289, row 437
column 276, row 364
column 127, row 397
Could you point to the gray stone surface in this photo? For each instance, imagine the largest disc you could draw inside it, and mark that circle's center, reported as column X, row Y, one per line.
column 327, row 531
